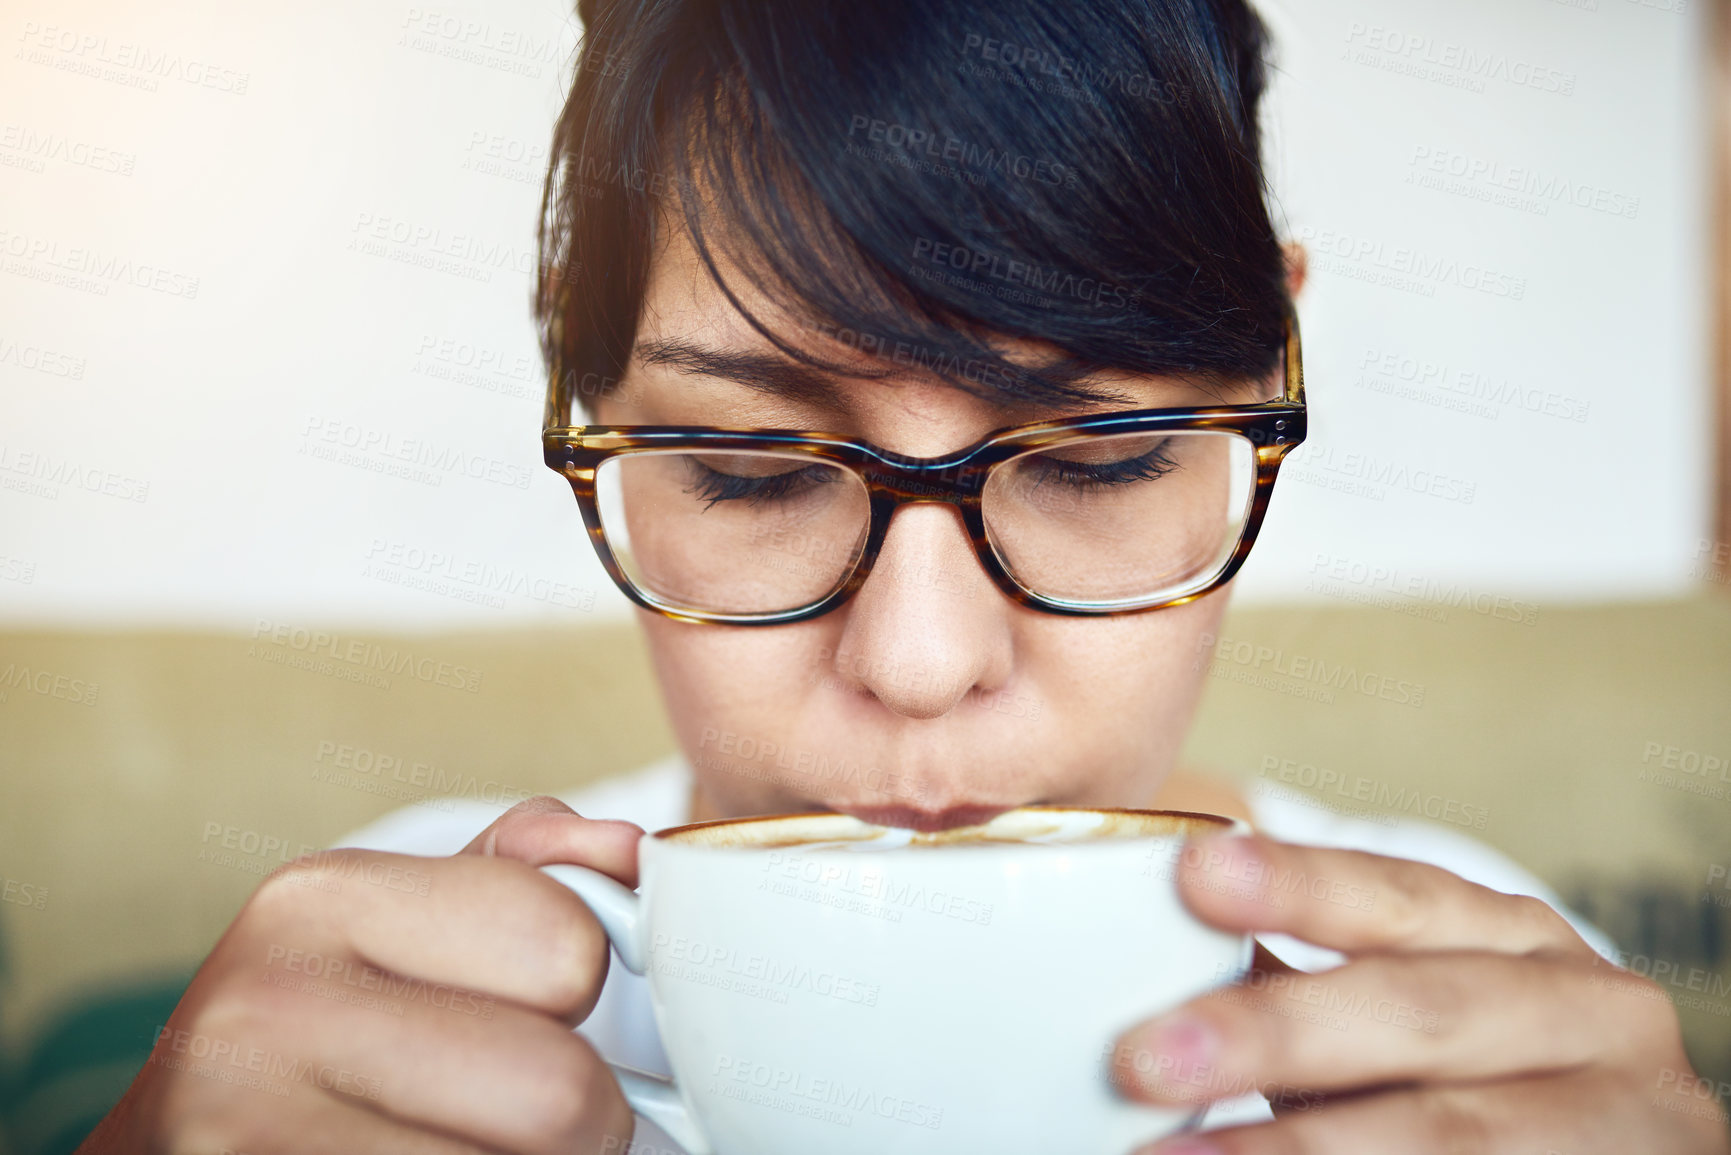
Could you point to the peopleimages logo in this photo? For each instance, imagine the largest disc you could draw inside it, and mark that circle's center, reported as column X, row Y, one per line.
column 227, row 1061
column 1358, row 788
column 1405, row 267
column 318, row 649
column 35, row 149
column 799, row 1092
column 1366, row 475
column 413, row 458
column 1457, row 65
column 751, row 973
column 1493, row 176
column 787, row 872
column 1304, row 671
column 134, row 65
column 23, row 894
column 1055, row 283
column 40, row 360
column 41, row 474
column 47, row 683
column 941, row 148
column 1481, row 393
column 1331, row 575
column 89, row 269
column 1073, row 77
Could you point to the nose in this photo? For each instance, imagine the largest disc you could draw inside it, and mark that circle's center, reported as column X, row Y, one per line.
column 928, row 625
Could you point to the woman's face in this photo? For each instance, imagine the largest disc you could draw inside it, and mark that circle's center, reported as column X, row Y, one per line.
column 929, row 699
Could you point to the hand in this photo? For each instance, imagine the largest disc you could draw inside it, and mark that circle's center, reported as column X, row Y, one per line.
column 383, row 1003
column 1464, row 1020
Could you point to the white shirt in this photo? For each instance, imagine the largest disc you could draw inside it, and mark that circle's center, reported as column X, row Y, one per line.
column 622, row 1026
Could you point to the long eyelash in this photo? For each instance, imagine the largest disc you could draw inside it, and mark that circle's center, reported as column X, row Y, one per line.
column 1150, row 466
column 713, row 486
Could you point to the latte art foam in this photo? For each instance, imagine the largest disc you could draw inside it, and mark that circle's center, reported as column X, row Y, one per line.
column 1060, row 829
column 1025, row 826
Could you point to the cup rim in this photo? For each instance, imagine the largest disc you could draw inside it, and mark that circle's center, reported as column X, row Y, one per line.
column 678, row 835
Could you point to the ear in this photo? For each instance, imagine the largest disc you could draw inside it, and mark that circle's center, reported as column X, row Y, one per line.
column 1297, row 265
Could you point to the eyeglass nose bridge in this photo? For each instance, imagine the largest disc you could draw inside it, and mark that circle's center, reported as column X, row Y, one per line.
column 894, row 484
column 959, row 485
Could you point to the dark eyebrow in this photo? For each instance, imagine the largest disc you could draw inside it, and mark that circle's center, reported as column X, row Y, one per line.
column 781, row 377
column 776, row 376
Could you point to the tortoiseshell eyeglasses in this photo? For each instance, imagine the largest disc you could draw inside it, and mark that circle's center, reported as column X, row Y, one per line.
column 1108, row 513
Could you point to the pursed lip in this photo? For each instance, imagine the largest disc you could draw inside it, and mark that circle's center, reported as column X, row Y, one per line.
column 927, row 821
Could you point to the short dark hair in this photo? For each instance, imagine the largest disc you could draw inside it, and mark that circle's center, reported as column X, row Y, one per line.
column 914, row 177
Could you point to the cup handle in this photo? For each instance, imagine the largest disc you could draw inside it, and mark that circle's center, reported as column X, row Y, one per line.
column 619, row 911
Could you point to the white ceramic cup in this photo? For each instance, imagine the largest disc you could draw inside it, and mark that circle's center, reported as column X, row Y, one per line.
column 822, row 985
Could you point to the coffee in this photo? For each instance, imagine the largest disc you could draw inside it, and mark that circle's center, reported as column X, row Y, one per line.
column 1028, row 825
column 898, row 840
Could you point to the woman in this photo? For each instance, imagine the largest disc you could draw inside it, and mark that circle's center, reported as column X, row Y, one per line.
column 915, row 226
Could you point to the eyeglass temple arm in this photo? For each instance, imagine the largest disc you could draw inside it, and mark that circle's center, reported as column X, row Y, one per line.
column 557, row 414
column 1294, row 394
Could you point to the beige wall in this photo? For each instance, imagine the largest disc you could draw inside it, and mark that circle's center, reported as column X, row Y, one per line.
column 1532, row 737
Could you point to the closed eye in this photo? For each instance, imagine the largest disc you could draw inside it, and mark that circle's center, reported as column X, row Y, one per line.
column 712, row 486
column 1150, row 466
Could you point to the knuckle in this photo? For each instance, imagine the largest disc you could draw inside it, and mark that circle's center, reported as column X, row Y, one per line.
column 188, row 1116
column 1652, row 1023
column 605, row 1110
column 511, row 826
column 1644, row 990
column 537, row 807
column 212, row 1127
column 197, row 1106
column 240, row 1011
column 297, row 886
column 1540, row 920
column 564, row 1095
column 575, row 960
column 239, row 1127
column 1405, row 901
column 1443, row 992
column 1454, row 1121
column 1631, row 1012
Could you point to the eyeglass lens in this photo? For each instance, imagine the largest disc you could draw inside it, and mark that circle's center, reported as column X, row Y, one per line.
column 1100, row 522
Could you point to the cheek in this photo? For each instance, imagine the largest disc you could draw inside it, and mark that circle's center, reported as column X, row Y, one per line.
column 747, row 681
column 1125, row 691
column 1153, row 663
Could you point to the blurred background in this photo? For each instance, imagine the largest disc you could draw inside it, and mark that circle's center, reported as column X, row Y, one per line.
column 270, row 397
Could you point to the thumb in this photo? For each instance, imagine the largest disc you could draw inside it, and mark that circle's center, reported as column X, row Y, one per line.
column 543, row 830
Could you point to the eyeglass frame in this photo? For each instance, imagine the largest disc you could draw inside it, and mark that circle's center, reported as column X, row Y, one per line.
column 577, row 452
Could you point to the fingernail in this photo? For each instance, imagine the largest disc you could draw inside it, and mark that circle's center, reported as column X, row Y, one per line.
column 1185, row 1042
column 1178, row 1054
column 1234, row 858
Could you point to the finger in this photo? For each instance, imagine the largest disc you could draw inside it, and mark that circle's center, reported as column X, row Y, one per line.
column 483, row 924
column 495, row 1074
column 1390, row 1019
column 309, row 1120
column 1586, row 1114
column 543, row 830
column 1356, row 902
